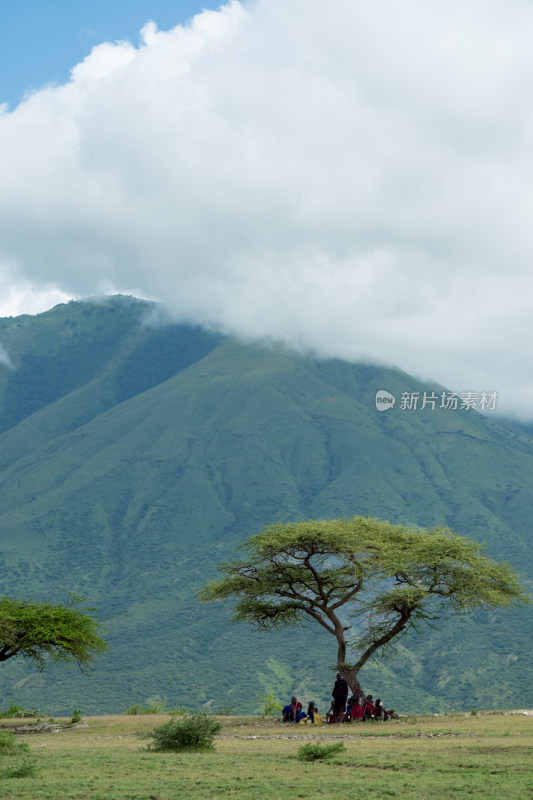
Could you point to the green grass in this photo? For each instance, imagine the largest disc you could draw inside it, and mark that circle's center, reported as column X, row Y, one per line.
column 9, row 744
column 447, row 757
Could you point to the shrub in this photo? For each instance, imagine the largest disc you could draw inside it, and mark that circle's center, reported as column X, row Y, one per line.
column 136, row 708
column 9, row 744
column 17, row 711
column 179, row 711
column 24, row 770
column 153, row 706
column 191, row 732
column 76, row 716
column 315, row 751
column 270, row 703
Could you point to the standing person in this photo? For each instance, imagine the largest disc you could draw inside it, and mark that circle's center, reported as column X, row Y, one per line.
column 340, row 695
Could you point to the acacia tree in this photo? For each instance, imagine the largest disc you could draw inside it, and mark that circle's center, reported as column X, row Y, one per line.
column 41, row 631
column 365, row 581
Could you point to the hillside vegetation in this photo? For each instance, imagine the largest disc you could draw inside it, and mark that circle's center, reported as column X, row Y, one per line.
column 135, row 455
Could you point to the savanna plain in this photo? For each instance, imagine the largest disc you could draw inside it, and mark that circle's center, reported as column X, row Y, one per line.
column 470, row 755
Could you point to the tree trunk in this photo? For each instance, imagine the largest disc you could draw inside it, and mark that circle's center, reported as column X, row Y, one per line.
column 347, row 672
column 350, row 676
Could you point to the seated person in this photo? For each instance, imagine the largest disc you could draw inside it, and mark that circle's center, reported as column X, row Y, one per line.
column 348, row 713
column 300, row 713
column 369, row 709
column 311, row 709
column 289, row 711
column 330, row 715
column 380, row 712
column 357, row 706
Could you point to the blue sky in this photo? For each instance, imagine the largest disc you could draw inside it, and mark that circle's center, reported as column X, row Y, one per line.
column 40, row 40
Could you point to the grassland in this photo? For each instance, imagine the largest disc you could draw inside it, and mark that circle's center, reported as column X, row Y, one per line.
column 447, row 756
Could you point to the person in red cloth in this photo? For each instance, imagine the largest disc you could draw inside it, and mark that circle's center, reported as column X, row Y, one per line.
column 369, row 709
column 357, row 706
column 300, row 713
column 330, row 715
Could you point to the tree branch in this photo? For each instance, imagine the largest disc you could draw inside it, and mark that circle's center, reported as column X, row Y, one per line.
column 7, row 652
column 400, row 624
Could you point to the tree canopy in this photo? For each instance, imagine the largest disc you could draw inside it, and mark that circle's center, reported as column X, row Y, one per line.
column 364, row 581
column 41, row 631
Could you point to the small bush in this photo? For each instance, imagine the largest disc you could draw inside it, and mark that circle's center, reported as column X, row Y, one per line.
column 15, row 711
column 76, row 716
column 136, row 708
column 152, row 707
column 9, row 744
column 24, row 770
column 191, row 732
column 270, row 703
column 315, row 751
column 179, row 711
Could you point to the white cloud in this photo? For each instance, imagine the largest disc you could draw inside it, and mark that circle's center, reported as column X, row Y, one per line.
column 354, row 177
column 19, row 296
column 4, row 357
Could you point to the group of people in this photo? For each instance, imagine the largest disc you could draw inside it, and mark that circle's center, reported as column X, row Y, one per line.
column 356, row 708
column 293, row 712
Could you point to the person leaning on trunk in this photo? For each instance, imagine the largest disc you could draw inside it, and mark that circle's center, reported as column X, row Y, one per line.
column 340, row 695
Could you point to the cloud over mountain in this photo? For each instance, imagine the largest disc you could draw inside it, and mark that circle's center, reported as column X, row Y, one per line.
column 352, row 177
column 4, row 358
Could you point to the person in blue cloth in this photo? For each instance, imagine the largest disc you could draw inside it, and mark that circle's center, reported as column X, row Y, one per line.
column 300, row 713
column 289, row 711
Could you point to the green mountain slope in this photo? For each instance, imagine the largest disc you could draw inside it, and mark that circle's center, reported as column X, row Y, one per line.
column 134, row 458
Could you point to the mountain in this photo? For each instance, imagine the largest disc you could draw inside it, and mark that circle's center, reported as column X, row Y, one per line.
column 135, row 455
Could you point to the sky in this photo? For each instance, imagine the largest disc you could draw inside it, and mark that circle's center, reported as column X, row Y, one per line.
column 352, row 178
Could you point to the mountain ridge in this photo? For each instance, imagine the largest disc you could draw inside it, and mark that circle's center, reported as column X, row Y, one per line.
column 134, row 484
